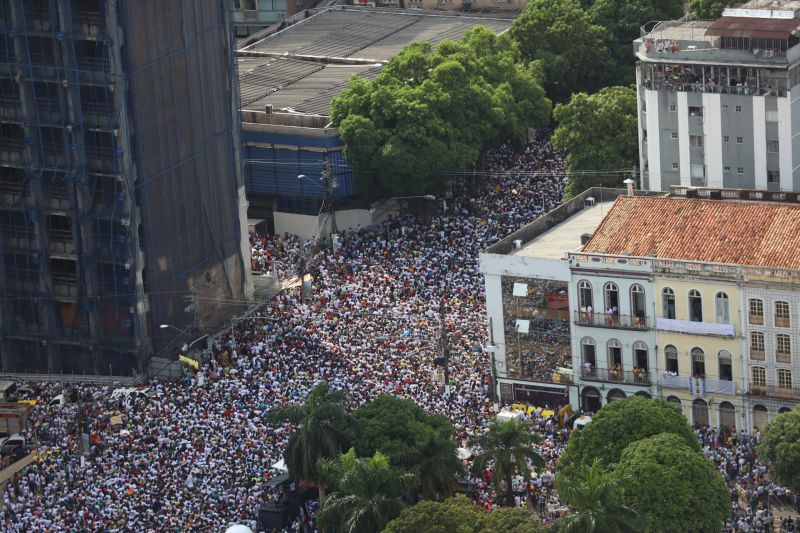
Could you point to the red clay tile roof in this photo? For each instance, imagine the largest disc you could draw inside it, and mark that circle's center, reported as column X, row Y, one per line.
column 717, row 231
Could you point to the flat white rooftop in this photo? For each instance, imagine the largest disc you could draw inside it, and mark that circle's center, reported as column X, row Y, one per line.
column 565, row 237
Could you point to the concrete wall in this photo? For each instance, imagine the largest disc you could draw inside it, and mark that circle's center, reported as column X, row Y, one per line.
column 306, row 225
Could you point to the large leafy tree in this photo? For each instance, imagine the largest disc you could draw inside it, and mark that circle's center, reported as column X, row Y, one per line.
column 710, row 9
column 598, row 497
column 460, row 515
column 412, row 439
column 509, row 447
column 571, row 50
column 599, row 132
column 624, row 19
column 668, row 478
column 620, row 423
column 430, row 111
column 319, row 430
column 780, row 447
column 367, row 493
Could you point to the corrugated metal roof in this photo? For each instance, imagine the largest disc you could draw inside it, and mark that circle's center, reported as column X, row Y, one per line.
column 760, row 28
column 716, row 231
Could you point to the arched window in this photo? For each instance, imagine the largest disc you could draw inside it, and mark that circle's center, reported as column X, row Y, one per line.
column 674, row 400
column 585, row 295
column 723, row 308
column 668, row 302
column 759, row 376
column 782, row 314
column 614, row 354
column 757, row 345
column 755, row 311
column 698, row 363
column 727, row 415
column 640, row 355
column 671, row 354
column 725, row 365
column 638, row 309
column 615, row 394
column 611, row 294
column 699, row 412
column 760, row 417
column 588, row 351
column 695, row 306
column 783, row 348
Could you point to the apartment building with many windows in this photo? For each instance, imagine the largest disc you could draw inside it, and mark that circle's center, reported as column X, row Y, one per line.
column 717, row 100
column 771, row 313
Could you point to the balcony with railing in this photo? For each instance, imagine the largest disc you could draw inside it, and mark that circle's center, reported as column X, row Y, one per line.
column 610, row 375
column 774, row 391
column 605, row 320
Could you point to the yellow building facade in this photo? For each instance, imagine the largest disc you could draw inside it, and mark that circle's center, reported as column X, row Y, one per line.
column 700, row 349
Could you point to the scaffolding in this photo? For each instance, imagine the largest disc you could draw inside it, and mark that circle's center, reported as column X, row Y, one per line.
column 116, row 204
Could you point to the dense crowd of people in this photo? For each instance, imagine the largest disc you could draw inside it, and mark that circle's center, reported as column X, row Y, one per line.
column 199, row 454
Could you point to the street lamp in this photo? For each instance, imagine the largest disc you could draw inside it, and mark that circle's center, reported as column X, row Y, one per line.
column 185, row 346
column 165, row 326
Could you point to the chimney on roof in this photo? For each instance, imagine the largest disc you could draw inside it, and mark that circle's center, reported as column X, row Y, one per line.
column 585, row 238
column 629, row 184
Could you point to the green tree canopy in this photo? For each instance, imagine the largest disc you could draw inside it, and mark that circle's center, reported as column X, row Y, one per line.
column 430, row 111
column 780, row 448
column 624, row 18
column 598, row 496
column 319, row 431
column 412, row 439
column 571, row 50
column 460, row 515
column 710, row 9
column 620, row 423
column 599, row 132
column 509, row 446
column 366, row 493
column 674, row 485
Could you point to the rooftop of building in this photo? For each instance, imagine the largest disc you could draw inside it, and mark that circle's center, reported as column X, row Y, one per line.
column 559, row 231
column 723, row 230
column 303, row 67
column 788, row 5
column 566, row 236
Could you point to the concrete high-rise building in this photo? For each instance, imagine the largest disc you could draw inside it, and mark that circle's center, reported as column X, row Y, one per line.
column 718, row 99
column 121, row 195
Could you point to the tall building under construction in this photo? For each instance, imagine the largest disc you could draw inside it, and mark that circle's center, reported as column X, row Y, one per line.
column 121, row 195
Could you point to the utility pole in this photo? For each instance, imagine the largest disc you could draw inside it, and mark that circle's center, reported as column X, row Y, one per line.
column 444, row 343
column 494, row 362
column 331, row 183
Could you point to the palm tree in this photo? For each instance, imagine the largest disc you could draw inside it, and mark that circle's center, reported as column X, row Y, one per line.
column 509, row 446
column 435, row 463
column 367, row 493
column 318, row 434
column 598, row 496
